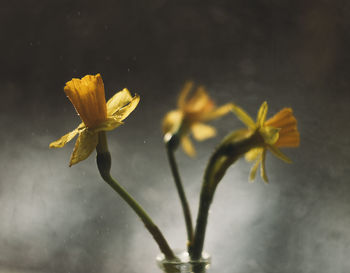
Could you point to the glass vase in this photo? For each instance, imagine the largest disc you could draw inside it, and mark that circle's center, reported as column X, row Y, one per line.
column 185, row 264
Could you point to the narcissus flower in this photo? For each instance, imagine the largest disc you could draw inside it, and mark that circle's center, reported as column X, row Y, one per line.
column 277, row 132
column 190, row 116
column 88, row 98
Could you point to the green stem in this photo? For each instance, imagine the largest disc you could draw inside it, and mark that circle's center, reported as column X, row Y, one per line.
column 104, row 165
column 232, row 148
column 185, row 207
column 206, row 197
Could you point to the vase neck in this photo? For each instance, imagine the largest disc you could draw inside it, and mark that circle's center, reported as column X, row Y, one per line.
column 184, row 264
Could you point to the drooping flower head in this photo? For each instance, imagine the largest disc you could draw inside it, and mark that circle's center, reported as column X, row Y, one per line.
column 277, row 132
column 190, row 116
column 88, row 98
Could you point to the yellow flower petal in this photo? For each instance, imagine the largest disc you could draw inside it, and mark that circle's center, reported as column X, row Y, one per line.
column 66, row 138
column 88, row 97
column 202, row 131
column 278, row 153
column 191, row 112
column 181, row 102
column 243, row 116
column 254, row 169
column 84, row 146
column 262, row 167
column 125, row 111
column 172, row 121
column 261, row 117
column 253, row 154
column 200, row 102
column 108, row 125
column 118, row 101
column 218, row 112
column 188, row 146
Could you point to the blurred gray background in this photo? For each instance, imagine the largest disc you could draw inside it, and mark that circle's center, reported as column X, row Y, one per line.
column 291, row 53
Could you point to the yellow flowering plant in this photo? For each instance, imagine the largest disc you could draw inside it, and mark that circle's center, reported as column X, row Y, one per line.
column 193, row 112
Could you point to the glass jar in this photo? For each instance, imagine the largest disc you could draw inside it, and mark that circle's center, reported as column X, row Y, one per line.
column 184, row 264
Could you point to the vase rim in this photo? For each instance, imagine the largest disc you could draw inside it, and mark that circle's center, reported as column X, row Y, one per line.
column 184, row 257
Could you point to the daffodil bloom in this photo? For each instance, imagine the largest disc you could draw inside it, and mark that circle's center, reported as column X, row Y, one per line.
column 190, row 116
column 277, row 132
column 88, row 98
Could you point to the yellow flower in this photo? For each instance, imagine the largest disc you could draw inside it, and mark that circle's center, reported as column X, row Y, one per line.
column 190, row 117
column 277, row 132
column 88, row 98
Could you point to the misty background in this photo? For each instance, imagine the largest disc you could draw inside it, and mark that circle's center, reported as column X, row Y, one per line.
column 56, row 219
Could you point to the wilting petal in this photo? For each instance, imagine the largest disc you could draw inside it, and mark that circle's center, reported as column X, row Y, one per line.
column 63, row 140
column 254, row 169
column 253, row 154
column 218, row 112
column 188, row 146
column 181, row 102
column 118, row 101
column 202, row 131
column 199, row 102
column 88, row 97
column 172, row 121
column 261, row 117
column 262, row 167
column 84, row 146
column 279, row 154
column 125, row 111
column 108, row 125
column 243, row 116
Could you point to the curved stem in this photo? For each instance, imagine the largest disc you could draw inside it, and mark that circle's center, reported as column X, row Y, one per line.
column 104, row 164
column 181, row 192
column 233, row 147
column 206, row 197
